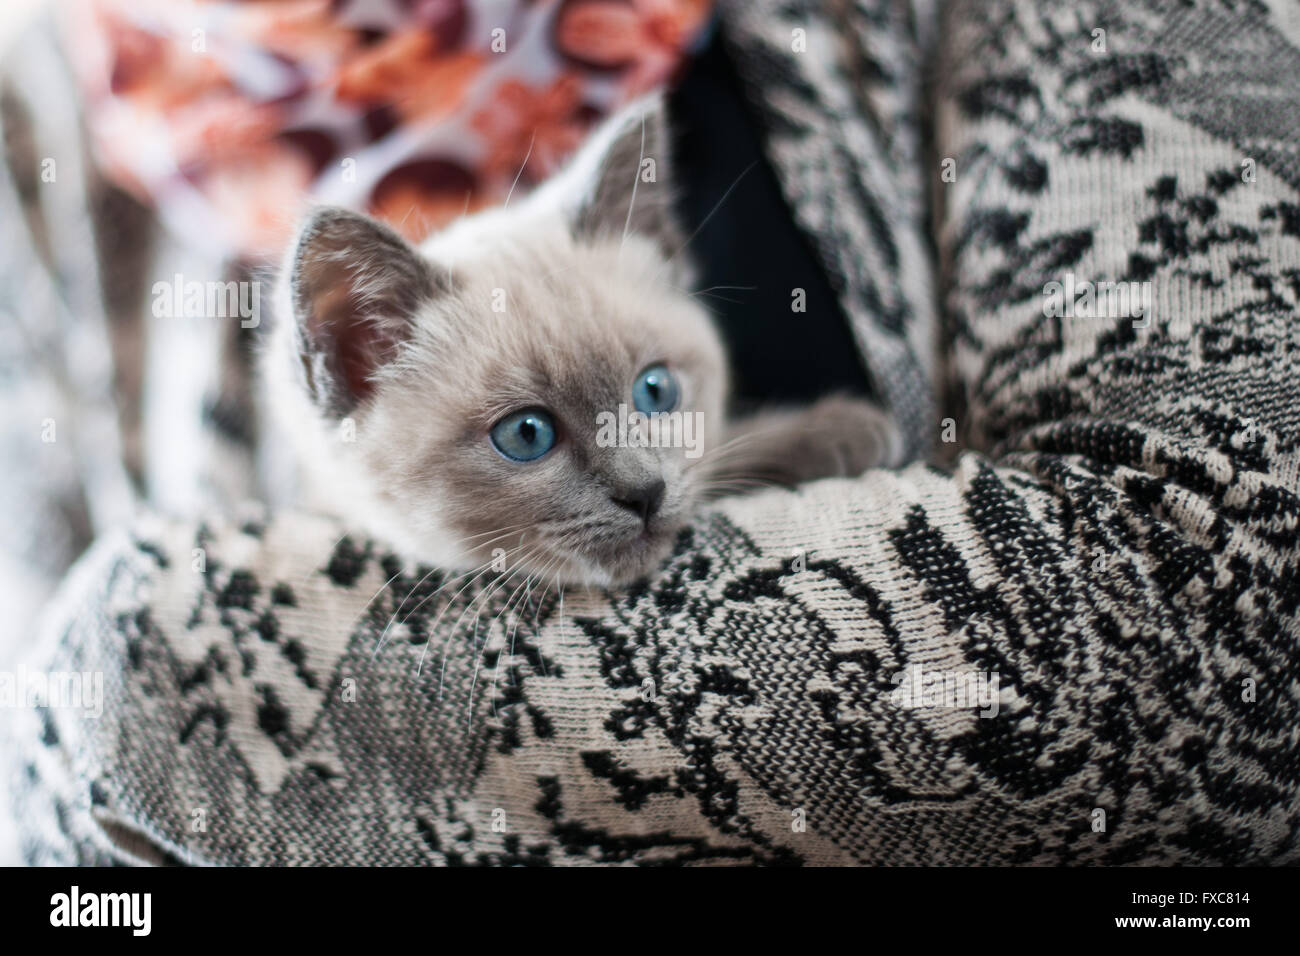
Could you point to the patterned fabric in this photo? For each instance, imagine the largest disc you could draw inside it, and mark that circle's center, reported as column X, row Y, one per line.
column 230, row 115
column 1111, row 557
column 841, row 99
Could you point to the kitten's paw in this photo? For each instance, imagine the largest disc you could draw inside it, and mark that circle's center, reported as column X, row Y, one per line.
column 844, row 437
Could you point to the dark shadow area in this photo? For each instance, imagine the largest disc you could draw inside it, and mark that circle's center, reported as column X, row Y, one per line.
column 751, row 242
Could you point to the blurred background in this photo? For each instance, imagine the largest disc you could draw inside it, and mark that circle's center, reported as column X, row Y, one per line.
column 14, row 15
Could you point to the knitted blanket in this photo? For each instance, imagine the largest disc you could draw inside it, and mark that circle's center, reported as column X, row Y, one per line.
column 1069, row 239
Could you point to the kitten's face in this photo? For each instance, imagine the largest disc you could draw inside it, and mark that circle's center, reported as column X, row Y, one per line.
column 445, row 438
column 483, row 376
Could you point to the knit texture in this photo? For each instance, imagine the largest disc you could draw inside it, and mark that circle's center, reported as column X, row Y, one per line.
column 1115, row 540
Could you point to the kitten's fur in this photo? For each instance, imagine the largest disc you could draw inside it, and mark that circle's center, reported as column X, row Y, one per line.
column 403, row 348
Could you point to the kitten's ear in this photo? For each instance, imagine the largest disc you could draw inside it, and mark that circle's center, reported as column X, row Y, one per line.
column 355, row 287
column 624, row 168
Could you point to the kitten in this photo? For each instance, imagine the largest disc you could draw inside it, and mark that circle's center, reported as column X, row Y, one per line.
column 459, row 397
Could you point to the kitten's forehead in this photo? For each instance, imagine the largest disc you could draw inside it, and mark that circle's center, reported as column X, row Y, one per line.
column 568, row 316
column 550, row 276
column 540, row 319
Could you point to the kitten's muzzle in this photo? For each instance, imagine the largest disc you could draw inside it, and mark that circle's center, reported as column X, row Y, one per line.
column 642, row 500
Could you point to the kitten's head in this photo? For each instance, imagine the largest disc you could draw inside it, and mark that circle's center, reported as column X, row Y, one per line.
column 465, row 396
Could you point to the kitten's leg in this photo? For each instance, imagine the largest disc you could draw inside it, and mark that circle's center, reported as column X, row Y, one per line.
column 837, row 437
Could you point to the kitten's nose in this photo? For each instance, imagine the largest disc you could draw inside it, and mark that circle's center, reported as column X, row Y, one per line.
column 643, row 500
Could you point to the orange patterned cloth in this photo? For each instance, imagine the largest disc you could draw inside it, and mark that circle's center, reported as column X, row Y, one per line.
column 230, row 116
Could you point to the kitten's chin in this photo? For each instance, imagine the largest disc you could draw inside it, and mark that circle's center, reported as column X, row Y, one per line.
column 618, row 563
column 639, row 561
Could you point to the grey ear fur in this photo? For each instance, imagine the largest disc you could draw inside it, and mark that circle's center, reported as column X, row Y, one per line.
column 632, row 186
column 355, row 287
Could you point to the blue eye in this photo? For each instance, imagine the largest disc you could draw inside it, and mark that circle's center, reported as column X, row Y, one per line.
column 524, row 436
column 655, row 390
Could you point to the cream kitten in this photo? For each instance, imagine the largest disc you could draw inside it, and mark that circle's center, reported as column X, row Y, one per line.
column 457, row 398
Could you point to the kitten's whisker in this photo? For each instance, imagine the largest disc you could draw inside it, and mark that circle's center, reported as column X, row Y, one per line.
column 729, row 457
column 489, row 590
column 721, row 298
column 380, row 645
column 722, row 491
column 749, row 434
column 528, row 595
column 555, row 580
column 704, row 222
column 500, row 532
column 731, row 477
column 383, row 636
column 525, row 582
column 478, row 657
column 730, row 444
column 497, row 673
column 480, row 569
column 527, row 156
column 560, row 623
column 721, row 455
column 719, row 480
column 426, row 576
column 473, row 683
column 537, row 611
column 738, row 288
column 636, row 180
column 492, row 590
column 737, row 481
column 382, row 588
column 434, row 626
column 487, row 635
column 587, row 525
column 520, row 529
column 710, row 309
column 514, row 627
column 452, row 600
